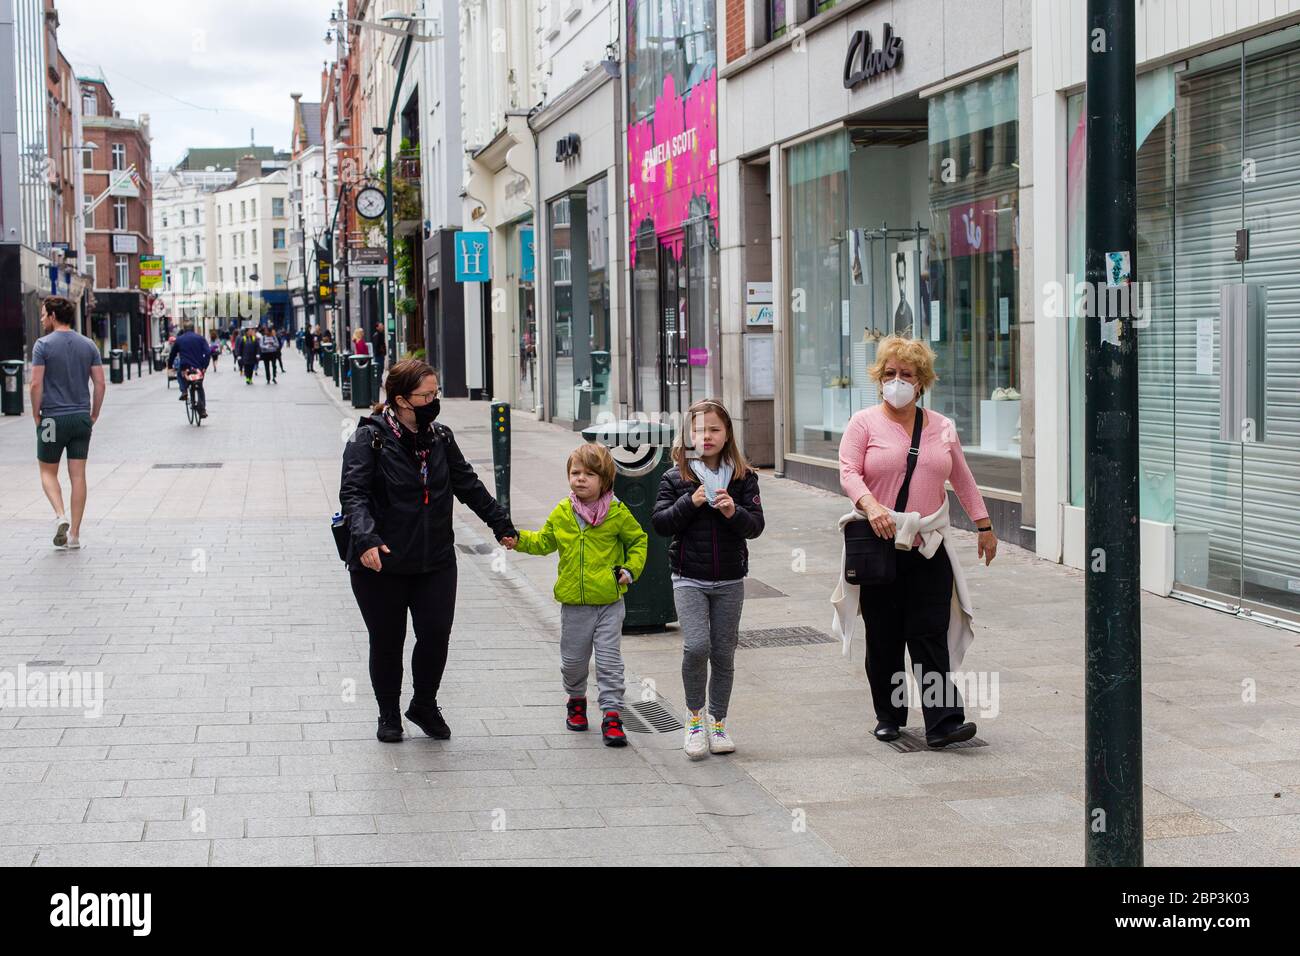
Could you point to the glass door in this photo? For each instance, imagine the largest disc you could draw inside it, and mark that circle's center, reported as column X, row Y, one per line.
column 674, row 327
column 1237, row 330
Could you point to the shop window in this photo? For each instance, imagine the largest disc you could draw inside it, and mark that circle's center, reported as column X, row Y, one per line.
column 972, row 272
column 668, row 38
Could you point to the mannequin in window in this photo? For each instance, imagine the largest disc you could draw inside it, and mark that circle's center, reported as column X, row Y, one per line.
column 903, row 314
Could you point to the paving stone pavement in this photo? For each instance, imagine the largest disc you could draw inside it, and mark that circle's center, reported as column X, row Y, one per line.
column 234, row 723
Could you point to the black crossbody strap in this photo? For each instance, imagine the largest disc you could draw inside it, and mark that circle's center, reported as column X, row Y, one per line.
column 912, row 455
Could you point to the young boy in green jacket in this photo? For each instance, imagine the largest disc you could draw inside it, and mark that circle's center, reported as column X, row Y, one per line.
column 602, row 550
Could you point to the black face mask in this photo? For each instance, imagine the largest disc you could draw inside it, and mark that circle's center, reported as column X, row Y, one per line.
column 425, row 414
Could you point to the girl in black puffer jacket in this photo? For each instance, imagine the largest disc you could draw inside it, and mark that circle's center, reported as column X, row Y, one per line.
column 709, row 506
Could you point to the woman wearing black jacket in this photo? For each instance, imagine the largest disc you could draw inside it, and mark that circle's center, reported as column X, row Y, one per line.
column 709, row 506
column 400, row 471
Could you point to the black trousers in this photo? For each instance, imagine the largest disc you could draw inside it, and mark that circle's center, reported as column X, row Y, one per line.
column 912, row 614
column 268, row 365
column 311, row 360
column 249, row 368
column 385, row 600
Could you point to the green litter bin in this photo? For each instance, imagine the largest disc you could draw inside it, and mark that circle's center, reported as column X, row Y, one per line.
column 360, row 373
column 641, row 452
column 327, row 359
column 116, row 359
column 343, row 366
column 11, row 387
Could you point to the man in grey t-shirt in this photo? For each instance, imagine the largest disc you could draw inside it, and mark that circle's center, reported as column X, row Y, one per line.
column 64, row 363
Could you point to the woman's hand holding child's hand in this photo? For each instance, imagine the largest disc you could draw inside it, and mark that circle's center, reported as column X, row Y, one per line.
column 509, row 543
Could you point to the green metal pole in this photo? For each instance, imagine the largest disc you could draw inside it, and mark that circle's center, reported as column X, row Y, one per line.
column 1112, row 610
column 501, row 451
column 391, row 332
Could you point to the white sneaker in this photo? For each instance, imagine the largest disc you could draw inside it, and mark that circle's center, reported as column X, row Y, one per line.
column 74, row 544
column 697, row 740
column 720, row 741
column 61, row 526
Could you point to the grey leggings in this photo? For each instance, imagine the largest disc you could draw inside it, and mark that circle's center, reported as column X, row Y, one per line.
column 710, row 619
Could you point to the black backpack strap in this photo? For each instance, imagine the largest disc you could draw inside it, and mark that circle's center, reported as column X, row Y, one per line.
column 913, row 454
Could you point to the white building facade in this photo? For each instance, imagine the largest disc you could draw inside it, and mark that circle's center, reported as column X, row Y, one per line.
column 251, row 222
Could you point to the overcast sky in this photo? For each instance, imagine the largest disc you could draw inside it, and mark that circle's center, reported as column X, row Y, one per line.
column 206, row 71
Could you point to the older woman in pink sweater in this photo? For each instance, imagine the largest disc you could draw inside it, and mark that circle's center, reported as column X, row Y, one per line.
column 914, row 612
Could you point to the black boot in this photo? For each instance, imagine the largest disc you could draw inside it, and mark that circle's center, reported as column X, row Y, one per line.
column 428, row 717
column 390, row 725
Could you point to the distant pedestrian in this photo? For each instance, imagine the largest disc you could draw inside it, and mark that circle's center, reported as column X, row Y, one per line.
column 708, row 505
column 377, row 343
column 602, row 551
column 401, row 470
column 248, row 351
column 897, row 452
column 359, row 346
column 269, row 349
column 64, row 365
column 281, row 340
column 309, row 340
column 214, row 348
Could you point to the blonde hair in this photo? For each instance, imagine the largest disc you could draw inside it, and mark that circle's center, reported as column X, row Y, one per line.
column 731, row 452
column 597, row 460
column 911, row 352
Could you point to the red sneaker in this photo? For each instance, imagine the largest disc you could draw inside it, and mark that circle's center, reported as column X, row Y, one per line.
column 612, row 730
column 577, row 708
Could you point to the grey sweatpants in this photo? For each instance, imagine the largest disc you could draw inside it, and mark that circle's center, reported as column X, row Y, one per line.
column 588, row 627
column 710, row 620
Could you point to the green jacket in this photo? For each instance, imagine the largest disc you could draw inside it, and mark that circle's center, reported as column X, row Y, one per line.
column 588, row 556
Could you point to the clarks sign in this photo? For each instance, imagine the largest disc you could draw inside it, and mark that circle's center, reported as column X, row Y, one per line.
column 862, row 62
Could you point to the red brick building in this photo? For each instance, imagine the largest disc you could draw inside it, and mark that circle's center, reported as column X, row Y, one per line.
column 119, row 230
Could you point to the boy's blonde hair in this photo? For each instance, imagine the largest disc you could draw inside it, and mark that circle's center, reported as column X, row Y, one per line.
column 597, row 460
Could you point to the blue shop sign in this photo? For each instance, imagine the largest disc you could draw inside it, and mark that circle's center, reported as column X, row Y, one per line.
column 527, row 254
column 472, row 257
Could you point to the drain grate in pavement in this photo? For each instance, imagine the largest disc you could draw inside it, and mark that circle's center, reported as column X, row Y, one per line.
column 648, row 717
column 476, row 548
column 913, row 741
column 190, row 464
column 784, row 637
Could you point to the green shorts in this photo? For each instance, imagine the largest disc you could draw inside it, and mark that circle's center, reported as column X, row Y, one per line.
column 55, row 433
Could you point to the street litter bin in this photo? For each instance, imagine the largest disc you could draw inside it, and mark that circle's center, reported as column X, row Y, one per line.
column 362, row 368
column 11, row 387
column 158, row 363
column 327, row 360
column 641, row 452
column 376, row 378
column 116, row 359
column 344, row 367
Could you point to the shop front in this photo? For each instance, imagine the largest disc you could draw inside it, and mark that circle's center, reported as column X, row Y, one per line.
column 672, row 225
column 884, row 201
column 1218, row 276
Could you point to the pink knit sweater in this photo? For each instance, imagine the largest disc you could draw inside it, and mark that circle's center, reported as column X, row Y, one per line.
column 873, row 457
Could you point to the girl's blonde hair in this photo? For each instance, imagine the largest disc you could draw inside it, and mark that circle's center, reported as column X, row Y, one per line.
column 911, row 352
column 730, row 450
column 597, row 460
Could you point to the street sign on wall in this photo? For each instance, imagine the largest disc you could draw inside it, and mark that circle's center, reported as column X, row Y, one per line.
column 527, row 254
column 151, row 272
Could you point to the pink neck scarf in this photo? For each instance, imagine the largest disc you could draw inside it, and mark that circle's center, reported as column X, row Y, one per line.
column 592, row 512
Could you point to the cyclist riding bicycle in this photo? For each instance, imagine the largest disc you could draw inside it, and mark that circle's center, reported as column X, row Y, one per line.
column 190, row 351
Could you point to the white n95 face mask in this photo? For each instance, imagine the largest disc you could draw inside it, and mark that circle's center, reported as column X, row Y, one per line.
column 899, row 393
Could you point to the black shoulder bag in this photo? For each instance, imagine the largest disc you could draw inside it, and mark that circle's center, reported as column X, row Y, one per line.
column 868, row 558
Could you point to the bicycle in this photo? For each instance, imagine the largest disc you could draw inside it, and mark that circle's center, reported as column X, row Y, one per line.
column 194, row 411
